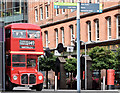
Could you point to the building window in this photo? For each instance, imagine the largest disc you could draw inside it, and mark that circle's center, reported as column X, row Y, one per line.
column 109, row 27
column 46, row 38
column 118, row 26
column 63, row 10
column 72, row 10
column 46, row 7
column 89, row 1
column 96, row 1
column 57, row 12
column 97, row 29
column 36, row 15
column 56, row 37
column 41, row 13
column 89, row 30
column 72, row 35
column 63, row 40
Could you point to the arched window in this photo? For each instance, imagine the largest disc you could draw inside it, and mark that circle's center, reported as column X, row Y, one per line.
column 72, row 34
column 109, row 27
column 56, row 36
column 118, row 26
column 97, row 29
column 63, row 38
column 89, row 30
column 46, row 38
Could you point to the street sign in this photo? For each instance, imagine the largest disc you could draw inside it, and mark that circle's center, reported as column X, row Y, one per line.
column 65, row 4
column 84, row 7
column 59, row 5
column 64, row 7
column 70, row 49
column 90, row 7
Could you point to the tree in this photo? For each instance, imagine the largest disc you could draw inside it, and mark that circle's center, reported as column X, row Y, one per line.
column 118, row 59
column 102, row 59
column 71, row 66
column 46, row 64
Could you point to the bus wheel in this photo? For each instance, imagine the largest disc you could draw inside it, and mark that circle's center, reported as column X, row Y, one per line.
column 9, row 85
column 39, row 87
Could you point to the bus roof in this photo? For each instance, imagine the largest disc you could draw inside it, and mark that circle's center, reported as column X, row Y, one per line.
column 25, row 26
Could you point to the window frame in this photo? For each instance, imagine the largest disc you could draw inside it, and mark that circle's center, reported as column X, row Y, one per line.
column 18, row 33
column 56, row 37
column 89, row 31
column 109, row 28
column 46, row 38
column 63, row 35
column 46, row 11
column 41, row 13
column 57, row 12
column 117, row 25
column 97, row 30
column 72, row 34
column 72, row 10
column 36, row 15
column 63, row 10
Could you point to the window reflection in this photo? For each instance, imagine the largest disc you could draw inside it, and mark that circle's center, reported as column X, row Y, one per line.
column 31, row 62
column 33, row 34
column 19, row 33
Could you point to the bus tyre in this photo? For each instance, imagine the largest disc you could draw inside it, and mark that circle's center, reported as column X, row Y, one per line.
column 9, row 85
column 39, row 87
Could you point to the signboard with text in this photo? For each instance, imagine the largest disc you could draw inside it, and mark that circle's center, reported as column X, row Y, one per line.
column 27, row 44
column 84, row 7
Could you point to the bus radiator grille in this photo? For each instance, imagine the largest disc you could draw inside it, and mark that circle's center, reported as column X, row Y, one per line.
column 32, row 79
column 24, row 79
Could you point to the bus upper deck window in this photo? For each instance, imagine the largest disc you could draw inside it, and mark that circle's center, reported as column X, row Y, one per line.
column 33, row 34
column 19, row 33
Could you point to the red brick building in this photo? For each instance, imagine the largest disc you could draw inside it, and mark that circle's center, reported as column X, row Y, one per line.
column 59, row 25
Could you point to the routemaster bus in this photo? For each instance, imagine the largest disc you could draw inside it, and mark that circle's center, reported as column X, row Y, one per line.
column 23, row 45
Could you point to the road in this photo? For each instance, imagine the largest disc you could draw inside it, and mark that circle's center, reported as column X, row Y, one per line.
column 27, row 90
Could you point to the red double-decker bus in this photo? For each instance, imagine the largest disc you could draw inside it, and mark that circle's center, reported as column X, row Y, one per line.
column 23, row 43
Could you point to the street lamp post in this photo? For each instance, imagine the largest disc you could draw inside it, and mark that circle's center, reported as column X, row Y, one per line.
column 86, row 63
column 78, row 47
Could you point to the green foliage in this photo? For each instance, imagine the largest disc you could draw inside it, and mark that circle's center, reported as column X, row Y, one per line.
column 70, row 65
column 102, row 58
column 47, row 63
column 118, row 59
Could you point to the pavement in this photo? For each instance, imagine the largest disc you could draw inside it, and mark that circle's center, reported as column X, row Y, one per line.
column 62, row 91
column 28, row 90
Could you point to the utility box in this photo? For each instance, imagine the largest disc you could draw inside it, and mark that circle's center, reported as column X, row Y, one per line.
column 89, row 72
column 61, row 73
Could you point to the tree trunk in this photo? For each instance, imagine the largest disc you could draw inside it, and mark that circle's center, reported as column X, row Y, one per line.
column 71, row 80
column 46, row 79
column 99, row 79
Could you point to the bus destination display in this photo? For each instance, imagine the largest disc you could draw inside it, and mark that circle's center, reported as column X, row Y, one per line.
column 27, row 44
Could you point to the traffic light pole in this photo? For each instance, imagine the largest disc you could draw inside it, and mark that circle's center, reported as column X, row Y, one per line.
column 78, row 47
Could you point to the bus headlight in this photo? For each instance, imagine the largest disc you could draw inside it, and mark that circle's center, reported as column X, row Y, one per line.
column 40, row 77
column 15, row 77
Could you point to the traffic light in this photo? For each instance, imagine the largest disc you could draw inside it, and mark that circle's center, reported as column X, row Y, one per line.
column 60, row 47
column 47, row 52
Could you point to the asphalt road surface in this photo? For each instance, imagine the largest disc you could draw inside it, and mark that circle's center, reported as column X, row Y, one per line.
column 28, row 90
